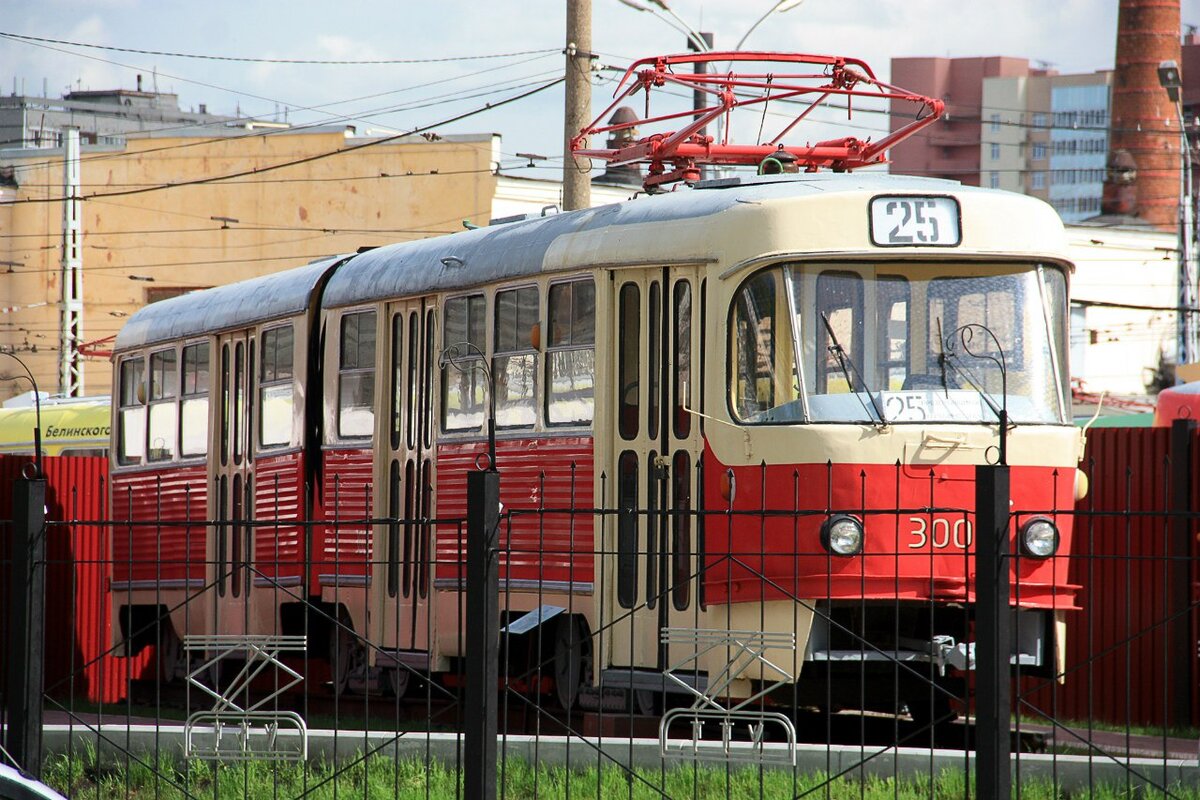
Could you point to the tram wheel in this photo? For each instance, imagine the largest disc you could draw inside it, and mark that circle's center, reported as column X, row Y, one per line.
column 347, row 655
column 398, row 680
column 572, row 659
column 644, row 702
column 931, row 707
column 169, row 655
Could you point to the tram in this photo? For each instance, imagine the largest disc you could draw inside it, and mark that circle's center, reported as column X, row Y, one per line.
column 752, row 404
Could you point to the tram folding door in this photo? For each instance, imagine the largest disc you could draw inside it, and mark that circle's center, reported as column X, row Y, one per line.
column 656, row 444
column 404, row 481
column 231, row 476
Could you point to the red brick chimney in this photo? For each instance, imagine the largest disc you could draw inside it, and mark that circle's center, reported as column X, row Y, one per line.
column 1144, row 121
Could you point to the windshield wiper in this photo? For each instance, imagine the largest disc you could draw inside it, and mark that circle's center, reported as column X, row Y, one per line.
column 846, row 364
column 950, row 358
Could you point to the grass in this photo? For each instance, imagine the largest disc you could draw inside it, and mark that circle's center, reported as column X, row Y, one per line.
column 379, row 777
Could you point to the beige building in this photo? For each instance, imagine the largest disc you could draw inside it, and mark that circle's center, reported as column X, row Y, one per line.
column 167, row 213
column 1045, row 135
column 1123, row 299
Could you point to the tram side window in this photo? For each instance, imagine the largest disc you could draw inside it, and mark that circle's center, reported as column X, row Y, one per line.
column 356, row 375
column 275, row 387
column 840, row 310
column 193, row 413
column 571, row 354
column 131, row 419
column 464, row 384
column 164, row 387
column 514, row 365
column 764, row 375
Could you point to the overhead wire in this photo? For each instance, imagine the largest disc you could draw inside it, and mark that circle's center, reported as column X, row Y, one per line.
column 257, row 60
column 305, row 160
column 291, row 129
column 291, row 106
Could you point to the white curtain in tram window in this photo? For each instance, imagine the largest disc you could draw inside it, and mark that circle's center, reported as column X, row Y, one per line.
column 163, row 431
column 133, row 434
column 193, row 434
column 276, row 414
column 355, row 415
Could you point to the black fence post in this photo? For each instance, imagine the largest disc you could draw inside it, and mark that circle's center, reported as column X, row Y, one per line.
column 26, row 630
column 1182, row 653
column 993, row 739
column 483, row 634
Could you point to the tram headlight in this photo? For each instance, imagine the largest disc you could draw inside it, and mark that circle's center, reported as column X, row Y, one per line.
column 1039, row 538
column 842, row 535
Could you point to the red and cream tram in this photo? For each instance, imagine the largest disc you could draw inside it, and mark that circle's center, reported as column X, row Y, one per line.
column 723, row 354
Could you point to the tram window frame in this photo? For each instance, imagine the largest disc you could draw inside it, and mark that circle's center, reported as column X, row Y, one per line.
column 752, row 390
column 196, row 375
column 396, row 374
column 131, row 410
column 629, row 339
column 513, row 328
column 225, row 404
column 682, row 380
column 464, row 321
column 571, row 341
column 427, row 421
column 276, row 384
column 356, row 373
column 238, row 389
column 413, row 376
column 162, row 414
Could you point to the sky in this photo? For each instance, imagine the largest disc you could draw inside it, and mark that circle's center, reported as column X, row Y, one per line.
column 1069, row 35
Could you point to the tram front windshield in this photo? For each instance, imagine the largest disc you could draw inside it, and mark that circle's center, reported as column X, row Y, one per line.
column 899, row 343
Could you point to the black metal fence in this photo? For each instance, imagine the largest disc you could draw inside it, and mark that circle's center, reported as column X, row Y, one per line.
column 451, row 658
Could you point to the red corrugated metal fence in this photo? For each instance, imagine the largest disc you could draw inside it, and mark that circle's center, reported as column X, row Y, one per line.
column 77, row 574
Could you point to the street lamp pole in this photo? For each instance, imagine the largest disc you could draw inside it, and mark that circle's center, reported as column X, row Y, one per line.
column 1188, row 345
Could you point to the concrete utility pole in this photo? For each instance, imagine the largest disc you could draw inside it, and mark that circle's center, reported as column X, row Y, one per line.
column 70, row 363
column 577, row 182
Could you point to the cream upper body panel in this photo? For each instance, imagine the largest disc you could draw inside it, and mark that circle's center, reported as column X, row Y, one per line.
column 829, row 219
column 830, row 223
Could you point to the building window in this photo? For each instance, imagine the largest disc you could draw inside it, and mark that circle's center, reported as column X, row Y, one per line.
column 1039, row 151
column 994, row 180
column 571, row 354
column 356, row 375
column 1038, row 180
column 995, row 151
column 995, row 123
column 1039, row 120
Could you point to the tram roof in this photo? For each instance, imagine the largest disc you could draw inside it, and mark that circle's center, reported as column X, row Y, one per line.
column 514, row 250
column 484, row 255
column 232, row 306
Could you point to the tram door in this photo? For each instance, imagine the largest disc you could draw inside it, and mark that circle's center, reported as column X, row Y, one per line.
column 404, row 471
column 656, row 446
column 232, row 496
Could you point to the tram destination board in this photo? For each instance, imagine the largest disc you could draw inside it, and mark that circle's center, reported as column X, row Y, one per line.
column 915, row 221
